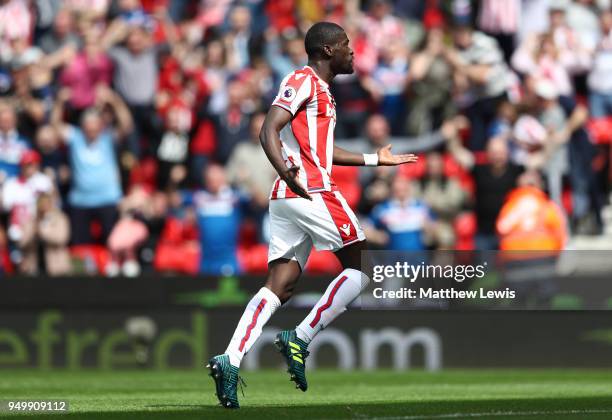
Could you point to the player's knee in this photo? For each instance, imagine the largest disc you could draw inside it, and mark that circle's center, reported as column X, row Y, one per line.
column 358, row 276
column 284, row 292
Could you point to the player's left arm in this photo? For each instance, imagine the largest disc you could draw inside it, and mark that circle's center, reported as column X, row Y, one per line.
column 384, row 157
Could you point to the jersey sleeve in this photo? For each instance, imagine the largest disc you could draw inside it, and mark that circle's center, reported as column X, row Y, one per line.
column 294, row 91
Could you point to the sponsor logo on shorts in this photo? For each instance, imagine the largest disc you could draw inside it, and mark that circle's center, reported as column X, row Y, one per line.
column 346, row 229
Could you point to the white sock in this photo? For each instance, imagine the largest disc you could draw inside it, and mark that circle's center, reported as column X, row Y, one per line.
column 257, row 313
column 339, row 294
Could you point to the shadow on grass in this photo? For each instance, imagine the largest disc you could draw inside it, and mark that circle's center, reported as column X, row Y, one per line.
column 517, row 408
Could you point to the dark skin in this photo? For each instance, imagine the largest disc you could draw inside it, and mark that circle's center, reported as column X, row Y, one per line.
column 335, row 58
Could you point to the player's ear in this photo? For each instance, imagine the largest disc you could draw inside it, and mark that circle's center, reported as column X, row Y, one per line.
column 328, row 50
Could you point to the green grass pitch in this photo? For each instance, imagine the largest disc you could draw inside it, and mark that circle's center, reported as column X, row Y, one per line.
column 454, row 394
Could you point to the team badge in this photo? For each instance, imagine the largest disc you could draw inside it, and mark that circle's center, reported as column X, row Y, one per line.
column 288, row 94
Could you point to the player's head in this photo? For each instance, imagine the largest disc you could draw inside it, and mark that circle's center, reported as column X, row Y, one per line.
column 328, row 41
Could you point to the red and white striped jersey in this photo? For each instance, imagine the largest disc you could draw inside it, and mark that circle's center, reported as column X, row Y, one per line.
column 307, row 140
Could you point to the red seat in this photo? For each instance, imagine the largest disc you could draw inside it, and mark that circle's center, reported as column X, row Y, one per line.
column 145, row 173
column 465, row 226
column 324, row 262
column 566, row 201
column 600, row 130
column 178, row 248
column 253, row 259
column 177, row 257
column 247, row 235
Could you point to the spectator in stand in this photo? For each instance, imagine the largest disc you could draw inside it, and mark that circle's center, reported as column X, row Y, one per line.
column 534, row 231
column 481, row 75
column 376, row 188
column 248, row 168
column 444, row 196
column 353, row 102
column 19, row 199
column 500, row 19
column 54, row 160
column 599, row 80
column 504, row 120
column 219, row 65
column 61, row 35
column 89, row 68
column 377, row 134
column 550, row 114
column 20, row 193
column 431, row 85
column 493, row 180
column 568, row 136
column 232, row 126
column 529, row 220
column 137, row 73
column 402, row 223
column 178, row 248
column 129, row 233
column 284, row 54
column 12, row 144
column 96, row 187
column 539, row 57
column 582, row 18
column 573, row 54
column 16, row 22
column 239, row 34
column 219, row 212
column 529, row 145
column 389, row 81
column 50, row 230
column 381, row 26
column 32, row 91
column 173, row 149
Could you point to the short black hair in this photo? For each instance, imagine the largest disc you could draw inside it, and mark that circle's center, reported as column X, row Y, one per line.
column 320, row 34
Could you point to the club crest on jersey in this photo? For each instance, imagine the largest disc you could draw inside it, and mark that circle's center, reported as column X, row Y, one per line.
column 288, row 94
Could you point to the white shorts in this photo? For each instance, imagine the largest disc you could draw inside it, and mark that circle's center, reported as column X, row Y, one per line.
column 296, row 224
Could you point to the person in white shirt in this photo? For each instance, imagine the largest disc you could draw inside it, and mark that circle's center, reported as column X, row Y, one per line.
column 20, row 193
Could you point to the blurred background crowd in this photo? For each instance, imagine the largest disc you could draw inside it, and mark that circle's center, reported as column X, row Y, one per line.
column 129, row 128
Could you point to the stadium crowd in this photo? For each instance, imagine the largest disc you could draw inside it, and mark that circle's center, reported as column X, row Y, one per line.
column 129, row 128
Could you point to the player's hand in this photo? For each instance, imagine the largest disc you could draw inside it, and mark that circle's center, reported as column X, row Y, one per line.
column 386, row 158
column 291, row 178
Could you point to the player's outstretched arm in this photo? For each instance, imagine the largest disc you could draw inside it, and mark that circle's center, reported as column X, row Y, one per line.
column 387, row 158
column 384, row 157
column 269, row 137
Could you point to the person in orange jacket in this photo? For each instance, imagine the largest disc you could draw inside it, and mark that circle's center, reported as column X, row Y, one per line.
column 529, row 220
